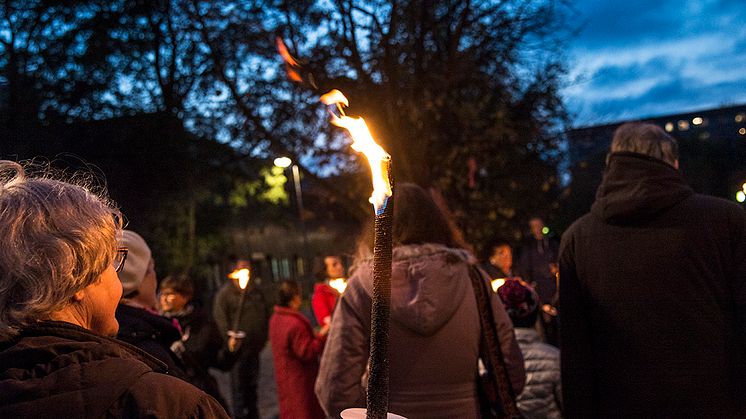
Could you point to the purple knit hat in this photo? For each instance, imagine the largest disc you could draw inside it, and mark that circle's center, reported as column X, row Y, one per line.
column 519, row 298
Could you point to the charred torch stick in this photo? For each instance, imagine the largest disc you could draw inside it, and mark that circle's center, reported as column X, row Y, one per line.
column 378, row 379
column 383, row 203
column 243, row 276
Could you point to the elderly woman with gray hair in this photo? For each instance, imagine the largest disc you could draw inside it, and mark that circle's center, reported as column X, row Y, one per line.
column 58, row 294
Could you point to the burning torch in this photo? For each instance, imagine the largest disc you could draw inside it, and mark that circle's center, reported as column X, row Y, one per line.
column 242, row 275
column 382, row 200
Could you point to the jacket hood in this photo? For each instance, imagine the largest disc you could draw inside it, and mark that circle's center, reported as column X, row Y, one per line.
column 636, row 188
column 428, row 283
column 56, row 369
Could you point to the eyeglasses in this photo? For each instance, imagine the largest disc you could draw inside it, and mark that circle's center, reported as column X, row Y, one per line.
column 119, row 259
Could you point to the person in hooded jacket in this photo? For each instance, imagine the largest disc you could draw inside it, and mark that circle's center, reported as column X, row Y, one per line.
column 434, row 334
column 58, row 294
column 541, row 397
column 653, row 292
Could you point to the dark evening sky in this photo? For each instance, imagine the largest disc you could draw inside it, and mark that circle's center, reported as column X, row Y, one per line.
column 640, row 58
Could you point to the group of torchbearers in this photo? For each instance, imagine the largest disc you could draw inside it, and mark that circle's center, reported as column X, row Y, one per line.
column 652, row 294
column 652, row 297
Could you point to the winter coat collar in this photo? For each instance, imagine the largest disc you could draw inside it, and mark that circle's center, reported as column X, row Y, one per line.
column 76, row 333
column 636, row 188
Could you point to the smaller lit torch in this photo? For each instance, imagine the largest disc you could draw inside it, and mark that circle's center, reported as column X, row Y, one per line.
column 243, row 275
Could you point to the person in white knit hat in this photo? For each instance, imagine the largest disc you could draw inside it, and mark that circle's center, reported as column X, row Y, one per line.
column 139, row 322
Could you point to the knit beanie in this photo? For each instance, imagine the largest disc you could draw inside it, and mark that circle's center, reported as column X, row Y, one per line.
column 138, row 258
column 519, row 298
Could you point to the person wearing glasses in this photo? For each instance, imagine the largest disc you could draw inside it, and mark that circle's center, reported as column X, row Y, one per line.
column 59, row 291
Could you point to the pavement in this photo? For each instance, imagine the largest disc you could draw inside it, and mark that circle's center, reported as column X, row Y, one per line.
column 267, row 397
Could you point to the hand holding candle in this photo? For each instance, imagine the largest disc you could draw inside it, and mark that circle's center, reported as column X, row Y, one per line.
column 242, row 275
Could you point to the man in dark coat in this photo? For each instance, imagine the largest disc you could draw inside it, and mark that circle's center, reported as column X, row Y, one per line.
column 59, row 370
column 254, row 322
column 653, row 292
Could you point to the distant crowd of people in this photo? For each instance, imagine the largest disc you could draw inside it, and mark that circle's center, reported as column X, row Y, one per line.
column 645, row 296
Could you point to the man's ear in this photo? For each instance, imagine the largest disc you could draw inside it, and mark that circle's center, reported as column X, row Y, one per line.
column 79, row 296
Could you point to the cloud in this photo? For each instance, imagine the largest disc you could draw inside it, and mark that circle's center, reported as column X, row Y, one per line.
column 639, row 58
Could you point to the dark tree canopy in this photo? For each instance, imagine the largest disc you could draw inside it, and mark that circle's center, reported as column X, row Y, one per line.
column 463, row 94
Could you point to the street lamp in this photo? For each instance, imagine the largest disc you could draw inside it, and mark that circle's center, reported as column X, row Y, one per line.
column 284, row 163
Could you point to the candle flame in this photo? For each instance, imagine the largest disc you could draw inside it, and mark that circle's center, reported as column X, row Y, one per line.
column 497, row 283
column 242, row 275
column 339, row 284
column 363, row 142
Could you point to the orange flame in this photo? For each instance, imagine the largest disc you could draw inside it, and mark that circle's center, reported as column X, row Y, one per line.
column 291, row 65
column 285, row 53
column 242, row 275
column 363, row 142
column 497, row 283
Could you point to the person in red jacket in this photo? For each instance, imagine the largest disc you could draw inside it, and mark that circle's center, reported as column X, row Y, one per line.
column 296, row 351
column 324, row 295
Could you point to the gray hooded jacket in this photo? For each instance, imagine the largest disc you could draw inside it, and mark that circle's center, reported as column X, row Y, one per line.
column 434, row 338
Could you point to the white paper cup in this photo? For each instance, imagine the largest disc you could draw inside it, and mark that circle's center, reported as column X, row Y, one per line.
column 237, row 334
column 360, row 413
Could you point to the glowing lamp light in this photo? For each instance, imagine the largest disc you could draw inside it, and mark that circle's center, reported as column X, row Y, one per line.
column 338, row 284
column 242, row 275
column 545, row 230
column 497, row 283
column 698, row 120
column 283, row 162
column 742, row 131
column 743, row 187
column 669, row 126
column 741, row 196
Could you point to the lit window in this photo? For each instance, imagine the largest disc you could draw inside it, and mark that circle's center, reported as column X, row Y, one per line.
column 683, row 125
column 669, row 126
column 698, row 121
column 742, row 131
column 740, row 117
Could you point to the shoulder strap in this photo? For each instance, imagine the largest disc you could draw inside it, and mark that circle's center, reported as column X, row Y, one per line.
column 494, row 362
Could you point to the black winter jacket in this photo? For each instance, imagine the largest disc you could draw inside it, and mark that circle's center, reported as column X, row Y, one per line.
column 653, row 297
column 59, row 370
column 152, row 333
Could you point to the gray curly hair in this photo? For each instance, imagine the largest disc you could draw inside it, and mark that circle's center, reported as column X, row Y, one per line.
column 59, row 237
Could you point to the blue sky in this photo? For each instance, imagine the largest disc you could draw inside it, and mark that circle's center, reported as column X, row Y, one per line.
column 637, row 58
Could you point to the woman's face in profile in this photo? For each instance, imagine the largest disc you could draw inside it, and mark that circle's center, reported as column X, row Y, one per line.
column 100, row 300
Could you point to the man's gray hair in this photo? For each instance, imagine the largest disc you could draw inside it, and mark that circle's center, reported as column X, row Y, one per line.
column 58, row 238
column 647, row 139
